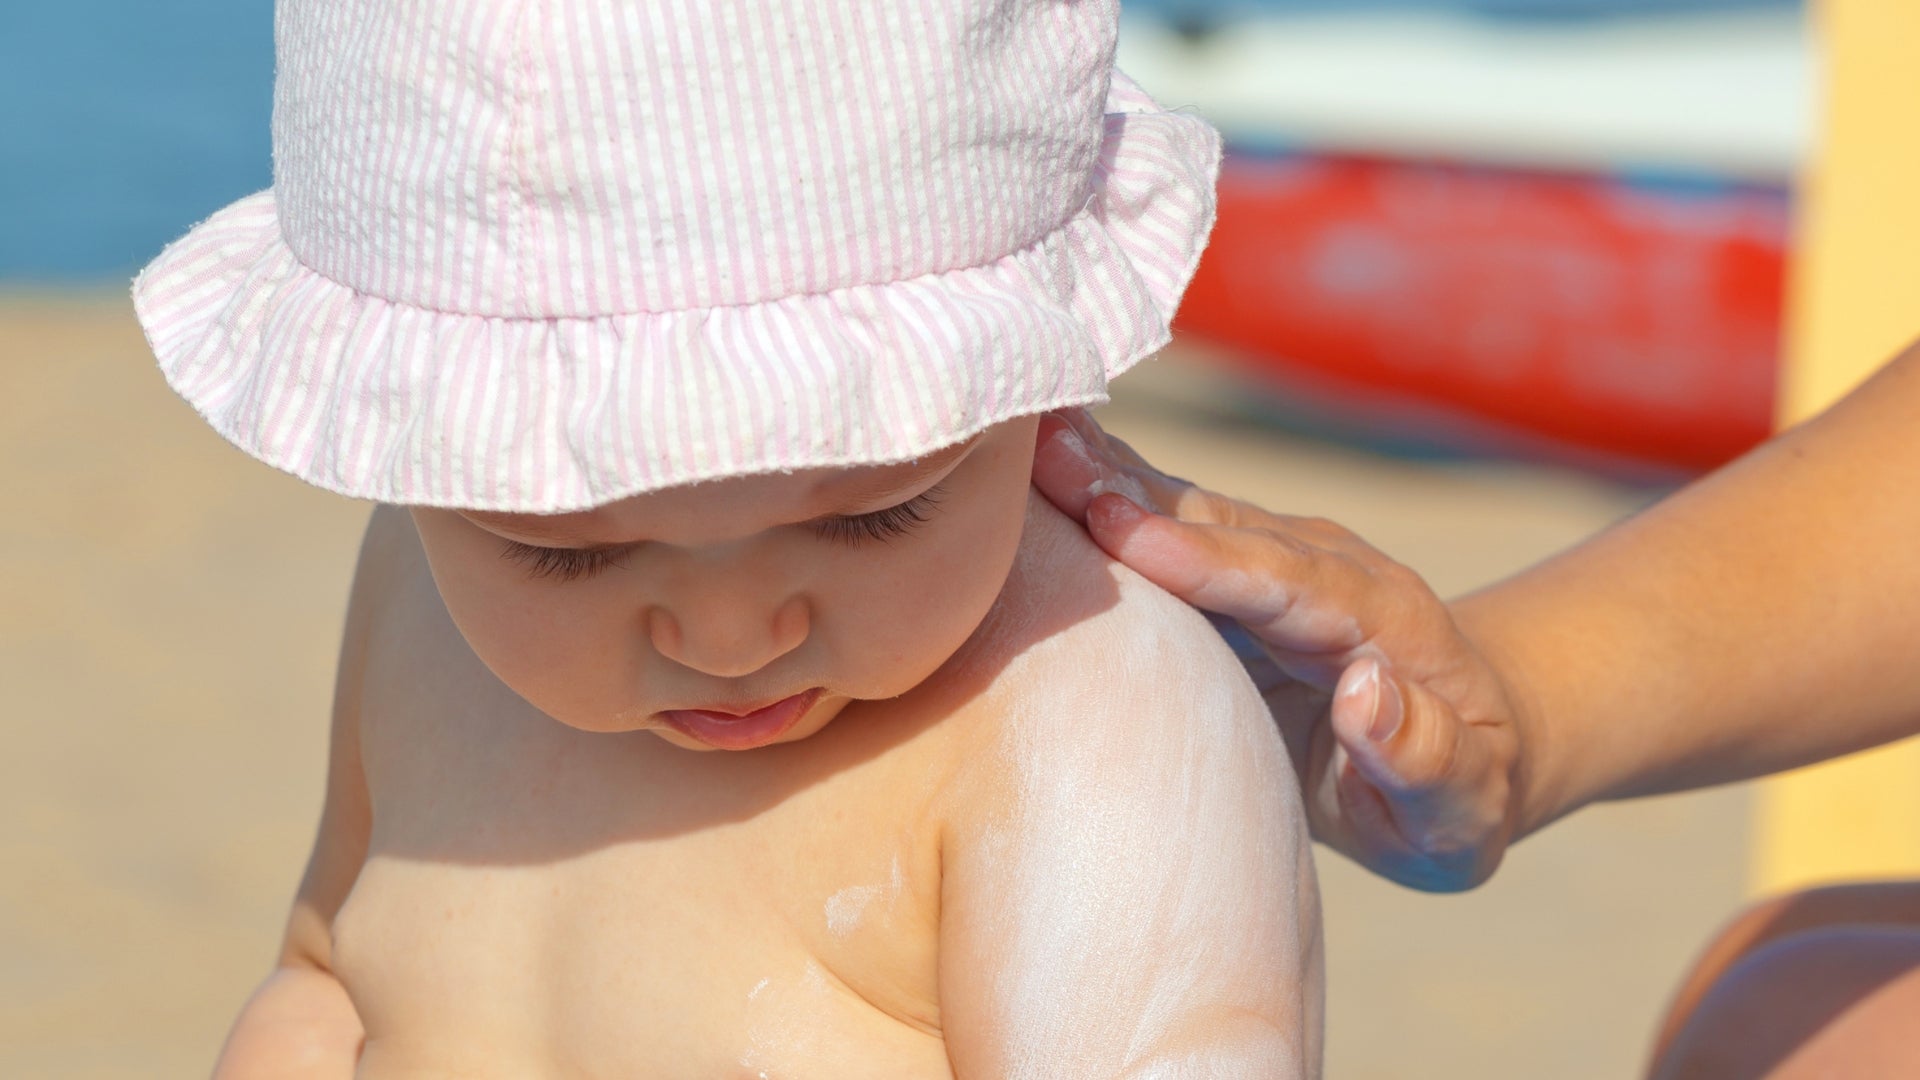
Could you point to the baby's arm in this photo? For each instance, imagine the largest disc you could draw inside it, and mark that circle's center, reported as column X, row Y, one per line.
column 1136, row 897
column 298, row 1025
column 300, row 1022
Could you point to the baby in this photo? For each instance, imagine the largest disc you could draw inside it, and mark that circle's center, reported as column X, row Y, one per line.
column 716, row 698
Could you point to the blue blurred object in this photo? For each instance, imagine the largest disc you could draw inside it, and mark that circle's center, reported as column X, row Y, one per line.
column 123, row 122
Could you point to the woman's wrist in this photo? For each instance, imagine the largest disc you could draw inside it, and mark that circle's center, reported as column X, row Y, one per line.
column 1545, row 784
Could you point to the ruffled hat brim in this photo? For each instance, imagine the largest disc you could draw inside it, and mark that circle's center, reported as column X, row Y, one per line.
column 399, row 404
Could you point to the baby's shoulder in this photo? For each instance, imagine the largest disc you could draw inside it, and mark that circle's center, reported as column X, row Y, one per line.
column 1077, row 627
column 1125, row 748
column 1096, row 668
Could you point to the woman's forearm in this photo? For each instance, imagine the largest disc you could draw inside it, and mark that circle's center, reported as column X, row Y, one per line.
column 299, row 1025
column 1765, row 617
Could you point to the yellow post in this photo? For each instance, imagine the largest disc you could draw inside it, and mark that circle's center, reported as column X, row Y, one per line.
column 1856, row 301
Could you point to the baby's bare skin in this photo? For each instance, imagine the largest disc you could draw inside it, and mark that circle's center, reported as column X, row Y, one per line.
column 505, row 896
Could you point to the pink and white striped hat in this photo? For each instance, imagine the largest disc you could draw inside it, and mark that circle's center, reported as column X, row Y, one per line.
column 540, row 255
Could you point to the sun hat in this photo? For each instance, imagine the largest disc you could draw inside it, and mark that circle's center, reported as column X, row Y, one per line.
column 539, row 255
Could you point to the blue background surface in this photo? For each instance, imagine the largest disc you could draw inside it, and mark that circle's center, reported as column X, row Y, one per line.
column 123, row 122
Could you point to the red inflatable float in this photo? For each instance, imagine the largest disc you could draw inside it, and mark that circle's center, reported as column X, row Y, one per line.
column 1628, row 319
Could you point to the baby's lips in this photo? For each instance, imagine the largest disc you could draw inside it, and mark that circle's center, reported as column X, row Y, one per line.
column 743, row 731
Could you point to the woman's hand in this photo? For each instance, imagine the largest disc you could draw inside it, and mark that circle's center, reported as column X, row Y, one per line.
column 1408, row 744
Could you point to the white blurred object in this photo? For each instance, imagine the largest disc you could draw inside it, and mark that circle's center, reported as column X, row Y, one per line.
column 1729, row 94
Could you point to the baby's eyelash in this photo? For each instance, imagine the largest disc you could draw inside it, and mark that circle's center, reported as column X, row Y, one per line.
column 882, row 525
column 574, row 564
column 561, row 564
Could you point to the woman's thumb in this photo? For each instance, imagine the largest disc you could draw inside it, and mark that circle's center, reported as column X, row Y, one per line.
column 1402, row 737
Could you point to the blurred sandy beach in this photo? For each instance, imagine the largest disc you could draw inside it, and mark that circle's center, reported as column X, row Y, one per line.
column 167, row 637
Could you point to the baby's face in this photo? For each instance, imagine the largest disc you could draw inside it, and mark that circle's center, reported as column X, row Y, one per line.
column 741, row 612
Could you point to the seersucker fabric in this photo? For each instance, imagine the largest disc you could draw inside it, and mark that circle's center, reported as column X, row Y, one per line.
column 540, row 255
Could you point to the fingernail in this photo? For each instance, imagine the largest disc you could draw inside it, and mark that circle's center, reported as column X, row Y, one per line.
column 1089, row 471
column 1121, row 484
column 1118, row 511
column 1389, row 710
column 1072, row 443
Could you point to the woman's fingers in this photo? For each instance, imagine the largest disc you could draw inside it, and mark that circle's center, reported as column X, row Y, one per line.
column 1302, row 601
column 1064, row 468
column 1074, row 462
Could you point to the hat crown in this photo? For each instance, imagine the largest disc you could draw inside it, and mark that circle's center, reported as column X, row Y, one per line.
column 580, row 158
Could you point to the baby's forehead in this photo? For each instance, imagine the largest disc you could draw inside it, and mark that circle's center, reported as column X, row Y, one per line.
column 732, row 506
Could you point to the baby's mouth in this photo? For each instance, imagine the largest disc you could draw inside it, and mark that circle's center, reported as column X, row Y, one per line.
column 743, row 727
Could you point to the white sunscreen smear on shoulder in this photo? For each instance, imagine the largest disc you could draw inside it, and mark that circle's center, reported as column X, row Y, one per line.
column 1130, row 907
column 781, row 1017
column 847, row 908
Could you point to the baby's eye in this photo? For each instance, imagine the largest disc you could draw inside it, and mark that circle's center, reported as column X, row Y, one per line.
column 882, row 525
column 561, row 564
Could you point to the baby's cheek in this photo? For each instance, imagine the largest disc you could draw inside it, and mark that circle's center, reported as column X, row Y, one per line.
column 565, row 661
column 932, row 607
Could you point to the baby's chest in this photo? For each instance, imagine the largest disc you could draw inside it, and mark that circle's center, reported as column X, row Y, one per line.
column 548, row 903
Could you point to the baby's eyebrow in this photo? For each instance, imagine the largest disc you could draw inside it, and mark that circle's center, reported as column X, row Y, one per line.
column 875, row 488
column 530, row 529
column 556, row 535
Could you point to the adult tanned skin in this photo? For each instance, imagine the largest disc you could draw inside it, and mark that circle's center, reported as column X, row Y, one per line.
column 1764, row 617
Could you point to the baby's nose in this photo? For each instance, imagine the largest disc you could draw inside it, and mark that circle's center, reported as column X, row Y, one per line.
column 727, row 637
